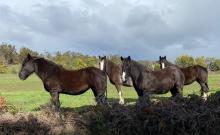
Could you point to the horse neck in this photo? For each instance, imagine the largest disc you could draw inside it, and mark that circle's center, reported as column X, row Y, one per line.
column 167, row 63
column 136, row 69
column 44, row 68
column 109, row 65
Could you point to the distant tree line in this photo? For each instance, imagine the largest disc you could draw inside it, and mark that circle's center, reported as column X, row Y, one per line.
column 74, row 60
column 213, row 64
column 71, row 60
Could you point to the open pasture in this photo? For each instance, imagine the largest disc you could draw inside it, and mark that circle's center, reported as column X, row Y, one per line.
column 29, row 95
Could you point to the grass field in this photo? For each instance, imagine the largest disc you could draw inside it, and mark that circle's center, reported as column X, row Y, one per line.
column 29, row 95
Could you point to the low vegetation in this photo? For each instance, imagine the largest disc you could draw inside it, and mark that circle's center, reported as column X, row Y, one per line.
column 183, row 116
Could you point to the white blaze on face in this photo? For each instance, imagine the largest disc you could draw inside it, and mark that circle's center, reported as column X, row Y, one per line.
column 123, row 76
column 163, row 65
column 101, row 65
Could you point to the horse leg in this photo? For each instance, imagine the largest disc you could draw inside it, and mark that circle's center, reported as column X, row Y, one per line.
column 121, row 99
column 55, row 100
column 173, row 92
column 143, row 101
column 140, row 94
column 204, row 90
column 179, row 90
column 101, row 99
column 99, row 93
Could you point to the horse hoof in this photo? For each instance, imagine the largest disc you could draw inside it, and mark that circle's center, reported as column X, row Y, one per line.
column 121, row 102
column 205, row 96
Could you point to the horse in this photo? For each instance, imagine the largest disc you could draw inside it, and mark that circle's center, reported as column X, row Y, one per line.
column 114, row 72
column 193, row 73
column 152, row 82
column 58, row 80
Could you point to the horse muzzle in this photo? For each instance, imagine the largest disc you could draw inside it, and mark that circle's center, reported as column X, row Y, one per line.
column 22, row 76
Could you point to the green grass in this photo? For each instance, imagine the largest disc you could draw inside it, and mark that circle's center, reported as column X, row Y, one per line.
column 28, row 95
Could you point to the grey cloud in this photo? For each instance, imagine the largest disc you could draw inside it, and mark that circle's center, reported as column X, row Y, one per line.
column 115, row 27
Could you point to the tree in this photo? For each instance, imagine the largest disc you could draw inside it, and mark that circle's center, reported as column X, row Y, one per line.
column 24, row 51
column 201, row 61
column 8, row 53
column 115, row 58
column 185, row 61
column 213, row 64
column 91, row 61
column 210, row 61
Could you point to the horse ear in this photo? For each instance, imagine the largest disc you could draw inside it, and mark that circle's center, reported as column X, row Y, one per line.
column 160, row 57
column 129, row 57
column 165, row 57
column 122, row 58
column 104, row 57
column 29, row 56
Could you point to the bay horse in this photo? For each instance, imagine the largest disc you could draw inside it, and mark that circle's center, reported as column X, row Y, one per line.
column 114, row 72
column 192, row 73
column 57, row 80
column 152, row 82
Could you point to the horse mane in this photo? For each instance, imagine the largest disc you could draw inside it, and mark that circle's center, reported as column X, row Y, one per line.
column 48, row 63
column 139, row 66
column 169, row 63
column 111, row 63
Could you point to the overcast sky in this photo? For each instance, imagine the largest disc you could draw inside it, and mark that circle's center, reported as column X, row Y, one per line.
column 143, row 29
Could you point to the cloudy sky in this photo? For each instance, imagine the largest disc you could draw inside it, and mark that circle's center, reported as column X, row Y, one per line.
column 143, row 29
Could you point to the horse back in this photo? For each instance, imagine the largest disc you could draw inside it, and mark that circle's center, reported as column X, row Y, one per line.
column 194, row 73
column 77, row 81
column 164, row 79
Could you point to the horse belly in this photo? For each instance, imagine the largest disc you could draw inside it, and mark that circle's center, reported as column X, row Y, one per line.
column 164, row 86
column 75, row 89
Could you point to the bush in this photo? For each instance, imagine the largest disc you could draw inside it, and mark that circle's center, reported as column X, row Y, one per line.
column 3, row 69
column 201, row 61
column 185, row 61
column 2, row 103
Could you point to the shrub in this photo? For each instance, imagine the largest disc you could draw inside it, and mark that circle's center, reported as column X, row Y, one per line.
column 2, row 103
column 3, row 69
column 185, row 61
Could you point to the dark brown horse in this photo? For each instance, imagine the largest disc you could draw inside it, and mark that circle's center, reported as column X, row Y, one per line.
column 193, row 73
column 58, row 80
column 152, row 82
column 114, row 72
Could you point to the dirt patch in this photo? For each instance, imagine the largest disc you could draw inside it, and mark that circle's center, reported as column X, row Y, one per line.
column 191, row 116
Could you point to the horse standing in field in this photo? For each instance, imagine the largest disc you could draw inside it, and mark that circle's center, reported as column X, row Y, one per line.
column 114, row 72
column 193, row 73
column 152, row 82
column 58, row 80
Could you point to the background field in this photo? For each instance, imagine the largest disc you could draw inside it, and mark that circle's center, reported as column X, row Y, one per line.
column 29, row 95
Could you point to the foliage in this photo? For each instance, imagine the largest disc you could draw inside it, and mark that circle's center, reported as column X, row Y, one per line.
column 185, row 61
column 8, row 54
column 23, row 53
column 74, row 60
column 3, row 69
column 213, row 64
column 156, row 66
column 216, row 65
column 115, row 58
column 201, row 61
column 2, row 103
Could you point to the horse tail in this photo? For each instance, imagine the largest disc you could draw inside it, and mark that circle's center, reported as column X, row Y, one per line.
column 205, row 71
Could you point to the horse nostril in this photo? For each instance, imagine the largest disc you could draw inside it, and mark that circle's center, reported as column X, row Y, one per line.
column 21, row 76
